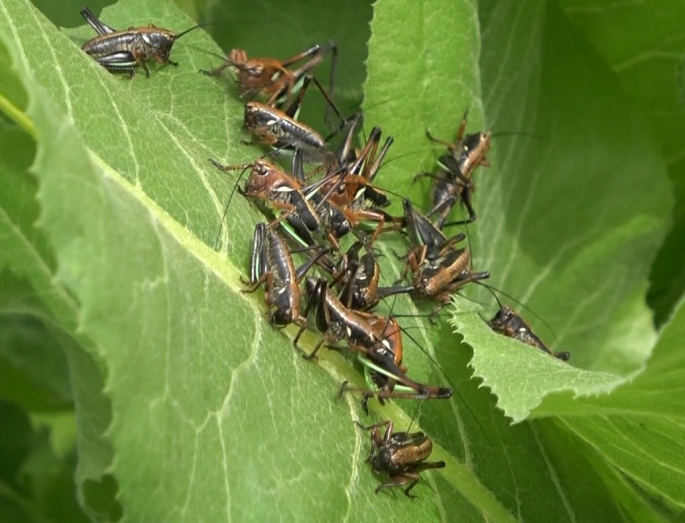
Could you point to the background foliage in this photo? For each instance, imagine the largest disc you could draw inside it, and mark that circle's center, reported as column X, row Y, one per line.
column 137, row 382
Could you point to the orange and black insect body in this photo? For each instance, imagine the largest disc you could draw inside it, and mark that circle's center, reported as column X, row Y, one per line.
column 271, row 78
column 335, row 321
column 275, row 191
column 350, row 183
column 267, row 184
column 364, row 338
column 438, row 267
column 349, row 189
column 272, row 265
column 303, row 205
column 400, row 455
column 358, row 279
column 124, row 51
column 453, row 181
column 307, row 214
column 511, row 325
column 347, row 186
column 278, row 129
column 310, row 210
column 384, row 385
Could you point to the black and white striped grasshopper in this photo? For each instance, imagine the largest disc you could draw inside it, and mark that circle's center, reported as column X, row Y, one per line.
column 124, row 51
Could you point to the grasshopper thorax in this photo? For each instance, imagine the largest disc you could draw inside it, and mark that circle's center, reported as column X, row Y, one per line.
column 402, row 450
column 474, row 147
column 161, row 40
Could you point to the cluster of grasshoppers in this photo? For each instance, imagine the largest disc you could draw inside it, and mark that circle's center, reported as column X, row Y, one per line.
column 315, row 216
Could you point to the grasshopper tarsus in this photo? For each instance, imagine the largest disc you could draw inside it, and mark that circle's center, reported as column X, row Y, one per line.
column 341, row 394
column 422, row 174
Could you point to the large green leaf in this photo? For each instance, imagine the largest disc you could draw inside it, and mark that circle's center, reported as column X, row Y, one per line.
column 204, row 383
column 638, row 428
column 583, row 266
column 33, row 370
column 199, row 410
column 644, row 44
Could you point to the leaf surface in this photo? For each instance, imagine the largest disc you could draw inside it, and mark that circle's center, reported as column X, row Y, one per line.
column 197, row 407
column 215, row 396
column 645, row 47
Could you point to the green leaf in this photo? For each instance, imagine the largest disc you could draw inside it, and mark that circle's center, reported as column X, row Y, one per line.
column 216, row 389
column 33, row 369
column 564, row 224
column 583, row 267
column 639, row 426
column 36, row 479
column 191, row 406
column 30, row 287
column 645, row 46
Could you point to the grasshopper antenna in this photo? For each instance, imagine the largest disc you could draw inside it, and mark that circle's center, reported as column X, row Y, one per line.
column 179, row 35
column 333, row 48
column 225, row 168
column 517, row 133
column 404, row 330
column 416, row 413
